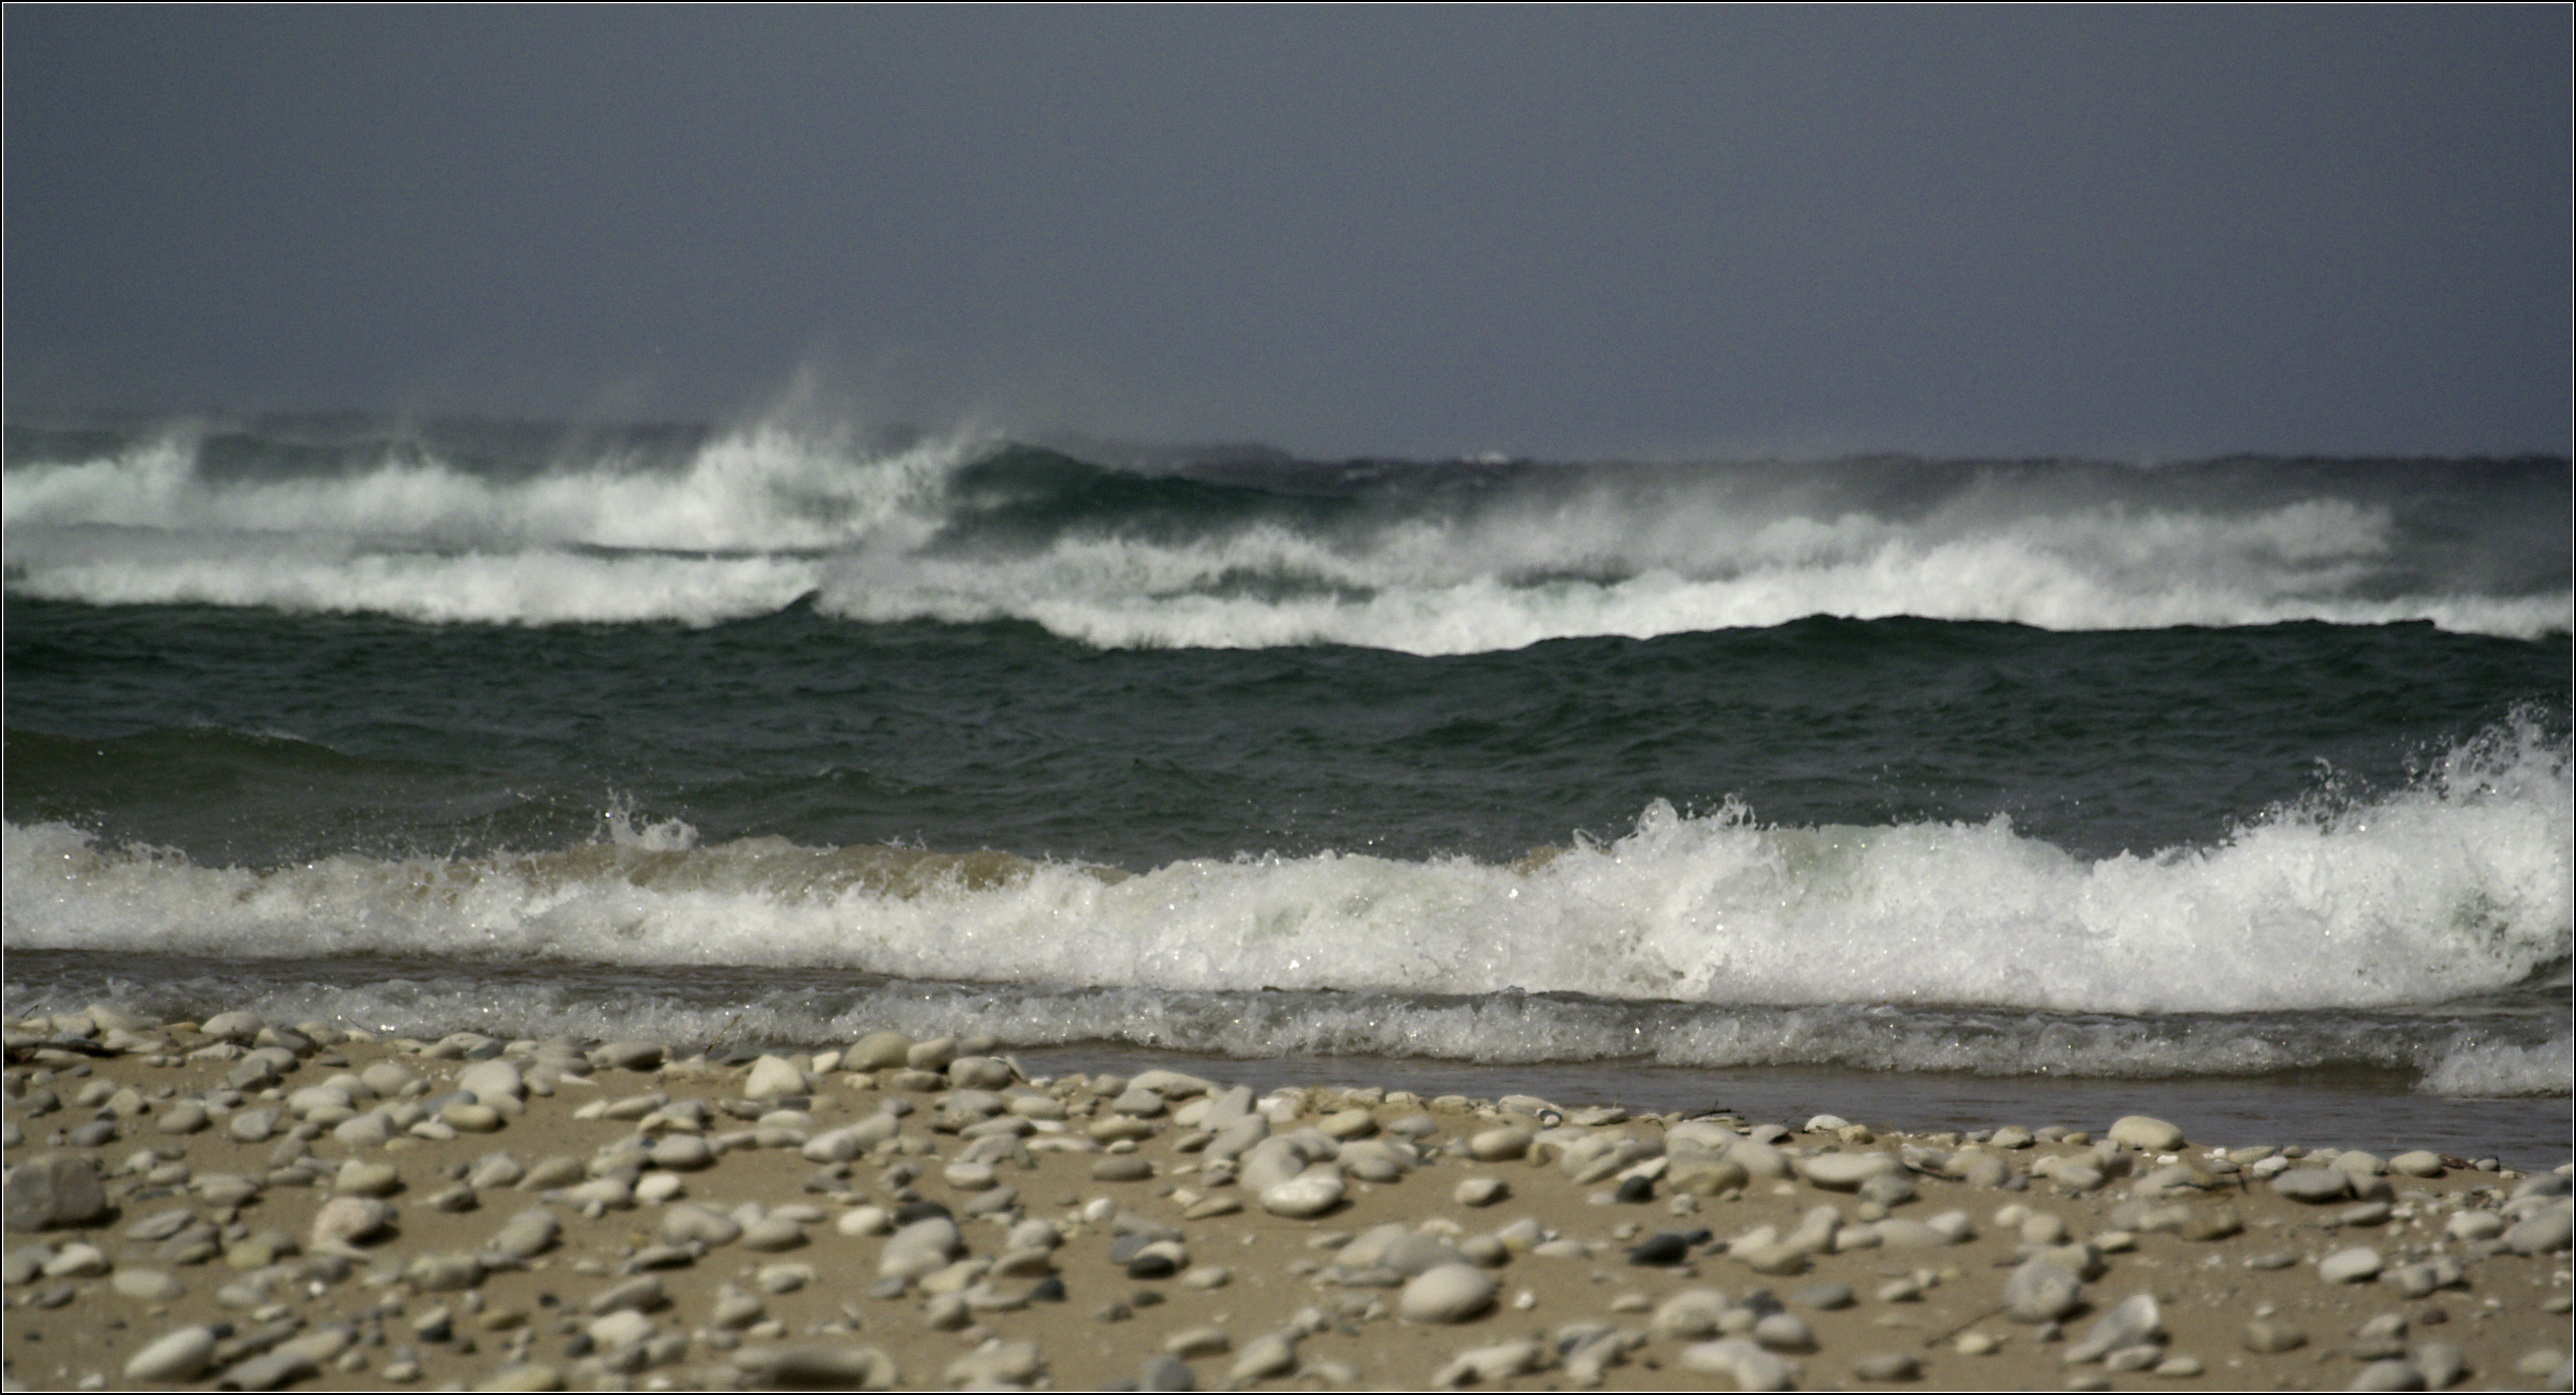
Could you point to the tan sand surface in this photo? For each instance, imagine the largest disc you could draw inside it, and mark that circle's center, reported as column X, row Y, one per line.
column 166, row 1180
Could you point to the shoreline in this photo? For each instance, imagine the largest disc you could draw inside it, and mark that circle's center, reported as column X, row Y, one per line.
column 268, row 1205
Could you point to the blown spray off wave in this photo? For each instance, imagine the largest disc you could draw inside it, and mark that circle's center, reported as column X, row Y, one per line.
column 1249, row 550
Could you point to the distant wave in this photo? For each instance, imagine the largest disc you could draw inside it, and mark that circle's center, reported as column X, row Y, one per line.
column 1252, row 551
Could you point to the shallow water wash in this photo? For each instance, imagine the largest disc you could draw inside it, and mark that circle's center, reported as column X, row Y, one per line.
column 2247, row 778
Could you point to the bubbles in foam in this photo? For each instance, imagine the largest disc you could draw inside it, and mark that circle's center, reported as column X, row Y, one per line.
column 2456, row 886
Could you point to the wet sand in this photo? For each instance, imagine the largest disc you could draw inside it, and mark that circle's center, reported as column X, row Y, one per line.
column 244, row 1205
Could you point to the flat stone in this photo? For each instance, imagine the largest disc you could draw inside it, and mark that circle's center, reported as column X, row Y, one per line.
column 177, row 1356
column 2350, row 1265
column 771, row 1234
column 470, row 1118
column 528, row 1234
column 2317, row 1186
column 2419, row 1163
column 681, row 1152
column 1480, row 1191
column 2146, row 1134
column 1312, row 1192
column 146, row 1285
column 1843, row 1172
column 1446, row 1293
column 1499, row 1144
column 357, row 1178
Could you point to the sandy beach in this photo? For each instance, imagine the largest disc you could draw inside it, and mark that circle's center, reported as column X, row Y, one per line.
column 247, row 1205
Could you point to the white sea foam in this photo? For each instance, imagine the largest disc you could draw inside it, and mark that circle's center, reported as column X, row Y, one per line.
column 2458, row 886
column 761, row 516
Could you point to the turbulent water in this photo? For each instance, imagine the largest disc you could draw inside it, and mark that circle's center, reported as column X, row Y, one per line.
column 2248, row 770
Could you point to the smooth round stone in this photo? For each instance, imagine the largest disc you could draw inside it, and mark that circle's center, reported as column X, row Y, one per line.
column 253, row 1125
column 1843, row 1172
column 359, row 1178
column 2041, row 1290
column 146, row 1285
column 771, row 1234
column 2146, row 1134
column 681, row 1152
column 2544, row 1233
column 1481, row 1191
column 1446, row 1293
column 492, row 1080
column 1500, row 1144
column 1886, row 1366
column 972, row 1176
column 1310, row 1193
column 470, row 1118
column 2011, row 1136
column 527, row 1235
column 1784, row 1332
column 683, row 1223
column 878, row 1051
column 1122, row 1167
column 369, row 1130
column 232, row 1026
column 182, row 1355
column 350, row 1220
column 773, row 1078
column 2419, row 1163
column 187, row 1116
column 2350, row 1265
column 1348, row 1123
column 2271, row 1336
column 2316, row 1186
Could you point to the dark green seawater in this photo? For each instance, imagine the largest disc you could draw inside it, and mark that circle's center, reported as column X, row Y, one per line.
column 1938, row 785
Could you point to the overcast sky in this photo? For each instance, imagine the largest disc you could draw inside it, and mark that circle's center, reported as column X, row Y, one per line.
column 1699, row 231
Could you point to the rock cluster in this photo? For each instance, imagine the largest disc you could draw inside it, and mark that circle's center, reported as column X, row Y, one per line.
column 260, row 1206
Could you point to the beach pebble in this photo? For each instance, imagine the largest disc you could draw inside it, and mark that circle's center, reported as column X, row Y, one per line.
column 178, row 1356
column 146, row 1285
column 626, row 1055
column 1270, row 1354
column 1740, row 1360
column 685, row 1223
column 1844, row 1172
column 358, row 1178
column 1886, row 1366
column 2544, row 1233
column 2041, row 1290
column 2146, row 1134
column 1500, row 1144
column 772, row 1078
column 492, row 1081
column 350, row 1220
column 55, row 1189
column 2133, row 1321
column 527, row 1234
column 1480, row 1365
column 1312, row 1192
column 1480, row 1191
column 2419, row 1163
column 2317, row 1186
column 2351, row 1265
column 1446, row 1293
column 681, row 1152
column 996, row 1363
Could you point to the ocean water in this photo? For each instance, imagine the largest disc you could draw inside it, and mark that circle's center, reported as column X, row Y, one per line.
column 1931, row 792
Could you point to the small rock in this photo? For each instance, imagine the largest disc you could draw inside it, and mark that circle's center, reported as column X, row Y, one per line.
column 2317, row 1186
column 350, row 1220
column 56, row 1189
column 1886, row 1366
column 1312, row 1192
column 2544, row 1233
column 2349, row 1265
column 181, row 1355
column 1446, row 1293
column 2147, row 1135
column 2041, row 1290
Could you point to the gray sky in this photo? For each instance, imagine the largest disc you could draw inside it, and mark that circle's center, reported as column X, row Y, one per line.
column 1698, row 231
